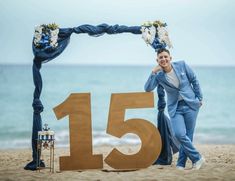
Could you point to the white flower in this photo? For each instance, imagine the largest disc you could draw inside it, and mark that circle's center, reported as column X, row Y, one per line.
column 148, row 34
column 37, row 36
column 35, row 41
column 53, row 39
column 48, row 33
column 38, row 29
column 163, row 36
column 54, row 44
column 54, row 32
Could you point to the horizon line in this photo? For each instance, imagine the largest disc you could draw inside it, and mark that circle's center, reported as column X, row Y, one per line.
column 121, row 65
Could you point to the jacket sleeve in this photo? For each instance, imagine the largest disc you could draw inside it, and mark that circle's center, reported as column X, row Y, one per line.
column 195, row 83
column 151, row 83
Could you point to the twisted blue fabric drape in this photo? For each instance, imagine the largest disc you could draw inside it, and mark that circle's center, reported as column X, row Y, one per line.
column 169, row 143
column 43, row 55
column 38, row 108
column 47, row 53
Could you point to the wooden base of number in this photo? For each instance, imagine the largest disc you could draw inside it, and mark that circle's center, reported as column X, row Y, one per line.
column 68, row 163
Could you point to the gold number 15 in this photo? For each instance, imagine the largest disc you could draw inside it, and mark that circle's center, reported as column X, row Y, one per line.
column 78, row 107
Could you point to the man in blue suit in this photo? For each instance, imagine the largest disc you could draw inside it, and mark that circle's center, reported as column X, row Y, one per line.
column 184, row 98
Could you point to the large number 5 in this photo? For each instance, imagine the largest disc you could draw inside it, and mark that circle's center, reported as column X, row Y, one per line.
column 147, row 132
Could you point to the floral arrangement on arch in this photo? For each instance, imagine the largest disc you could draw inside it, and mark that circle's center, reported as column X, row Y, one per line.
column 46, row 36
column 154, row 33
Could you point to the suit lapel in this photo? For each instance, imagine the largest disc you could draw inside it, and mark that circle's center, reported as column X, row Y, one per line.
column 162, row 77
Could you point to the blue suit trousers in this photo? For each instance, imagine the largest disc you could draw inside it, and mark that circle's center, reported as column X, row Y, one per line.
column 183, row 124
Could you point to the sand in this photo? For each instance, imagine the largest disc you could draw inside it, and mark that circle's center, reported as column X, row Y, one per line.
column 220, row 165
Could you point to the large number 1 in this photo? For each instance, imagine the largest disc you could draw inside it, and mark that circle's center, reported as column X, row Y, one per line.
column 78, row 107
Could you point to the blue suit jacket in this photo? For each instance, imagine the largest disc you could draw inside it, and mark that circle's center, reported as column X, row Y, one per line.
column 189, row 87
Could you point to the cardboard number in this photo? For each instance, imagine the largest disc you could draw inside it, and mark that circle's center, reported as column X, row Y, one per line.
column 147, row 132
column 78, row 107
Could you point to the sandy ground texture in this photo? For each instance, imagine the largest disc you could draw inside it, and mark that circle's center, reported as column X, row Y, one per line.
column 220, row 165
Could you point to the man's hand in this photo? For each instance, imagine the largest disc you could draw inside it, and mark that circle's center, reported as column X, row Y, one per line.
column 156, row 69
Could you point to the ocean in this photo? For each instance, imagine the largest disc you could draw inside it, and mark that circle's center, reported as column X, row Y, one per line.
column 215, row 123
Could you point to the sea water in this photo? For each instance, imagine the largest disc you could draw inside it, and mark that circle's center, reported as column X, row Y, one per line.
column 215, row 123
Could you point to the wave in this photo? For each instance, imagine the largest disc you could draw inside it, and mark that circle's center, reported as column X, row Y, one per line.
column 101, row 138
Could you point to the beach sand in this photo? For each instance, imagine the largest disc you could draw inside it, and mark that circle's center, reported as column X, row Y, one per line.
column 220, row 165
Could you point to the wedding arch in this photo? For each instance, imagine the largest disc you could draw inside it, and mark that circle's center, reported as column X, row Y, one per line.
column 50, row 41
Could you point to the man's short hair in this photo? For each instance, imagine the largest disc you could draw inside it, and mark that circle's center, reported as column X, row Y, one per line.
column 163, row 50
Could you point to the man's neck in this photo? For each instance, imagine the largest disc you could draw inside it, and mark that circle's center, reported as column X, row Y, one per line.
column 168, row 69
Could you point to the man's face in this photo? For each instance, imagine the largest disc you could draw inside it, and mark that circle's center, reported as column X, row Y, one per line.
column 164, row 59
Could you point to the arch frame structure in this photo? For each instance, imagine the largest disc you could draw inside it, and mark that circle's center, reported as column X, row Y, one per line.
column 50, row 41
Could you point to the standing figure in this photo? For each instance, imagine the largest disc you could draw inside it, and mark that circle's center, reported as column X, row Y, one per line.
column 184, row 98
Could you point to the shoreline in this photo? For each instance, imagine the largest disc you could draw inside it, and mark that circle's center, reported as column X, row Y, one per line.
column 220, row 165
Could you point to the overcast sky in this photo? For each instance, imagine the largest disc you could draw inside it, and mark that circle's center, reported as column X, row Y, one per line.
column 202, row 31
